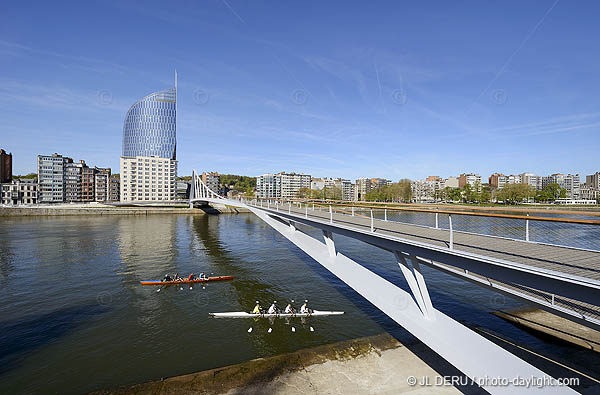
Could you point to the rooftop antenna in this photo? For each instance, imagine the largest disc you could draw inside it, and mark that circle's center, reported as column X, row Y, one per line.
column 175, row 153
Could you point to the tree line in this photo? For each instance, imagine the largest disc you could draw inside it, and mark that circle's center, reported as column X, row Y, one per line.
column 510, row 193
column 400, row 191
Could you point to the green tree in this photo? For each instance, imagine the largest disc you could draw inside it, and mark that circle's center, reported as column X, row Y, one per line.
column 249, row 191
column 405, row 190
column 515, row 193
column 454, row 194
column 30, row 175
column 237, row 183
column 303, row 193
column 550, row 193
column 468, row 193
column 485, row 195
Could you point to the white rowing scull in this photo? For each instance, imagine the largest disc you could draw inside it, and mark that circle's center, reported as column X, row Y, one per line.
column 242, row 314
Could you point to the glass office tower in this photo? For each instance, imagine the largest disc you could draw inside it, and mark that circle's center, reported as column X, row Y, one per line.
column 150, row 126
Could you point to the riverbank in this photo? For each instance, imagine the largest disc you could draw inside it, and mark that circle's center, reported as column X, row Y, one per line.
column 376, row 364
column 549, row 324
column 111, row 210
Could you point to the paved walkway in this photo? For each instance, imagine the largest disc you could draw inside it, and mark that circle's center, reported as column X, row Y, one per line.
column 373, row 365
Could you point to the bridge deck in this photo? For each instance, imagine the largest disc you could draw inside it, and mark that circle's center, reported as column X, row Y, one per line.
column 573, row 261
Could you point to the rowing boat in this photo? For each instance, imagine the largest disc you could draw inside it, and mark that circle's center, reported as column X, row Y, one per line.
column 198, row 280
column 242, row 314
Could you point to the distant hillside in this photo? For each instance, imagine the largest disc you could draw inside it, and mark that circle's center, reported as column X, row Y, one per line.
column 238, row 183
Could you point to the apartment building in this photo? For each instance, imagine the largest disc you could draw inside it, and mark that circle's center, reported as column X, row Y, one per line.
column 588, row 193
column 182, row 190
column 532, row 180
column 513, row 179
column 569, row 182
column 497, row 180
column 102, row 185
column 347, row 190
column 292, row 182
column 268, row 186
column 148, row 179
column 317, row 184
column 114, row 188
column 212, row 180
column 19, row 191
column 379, row 182
column 593, row 181
column 73, row 171
column 451, row 182
column 51, row 178
column 362, row 186
column 423, row 190
column 469, row 178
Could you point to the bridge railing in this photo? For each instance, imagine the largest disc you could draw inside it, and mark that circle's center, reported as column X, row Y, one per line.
column 556, row 227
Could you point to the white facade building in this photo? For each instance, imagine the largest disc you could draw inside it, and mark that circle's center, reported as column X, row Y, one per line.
column 569, row 182
column 292, row 182
column 347, row 190
column 532, row 180
column 146, row 178
column 102, row 185
column 593, row 181
column 451, row 182
column 268, row 186
column 19, row 191
column 51, row 178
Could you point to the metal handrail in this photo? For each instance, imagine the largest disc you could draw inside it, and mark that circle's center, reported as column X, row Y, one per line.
column 511, row 216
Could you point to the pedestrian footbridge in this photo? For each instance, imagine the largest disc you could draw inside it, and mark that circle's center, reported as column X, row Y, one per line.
column 560, row 279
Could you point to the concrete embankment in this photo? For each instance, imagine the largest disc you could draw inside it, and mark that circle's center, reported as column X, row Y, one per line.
column 108, row 210
column 56, row 211
column 378, row 364
column 552, row 325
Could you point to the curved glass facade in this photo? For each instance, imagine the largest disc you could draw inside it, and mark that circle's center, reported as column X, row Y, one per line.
column 150, row 126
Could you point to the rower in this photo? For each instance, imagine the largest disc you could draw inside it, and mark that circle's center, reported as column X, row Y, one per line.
column 167, row 277
column 289, row 309
column 257, row 308
column 176, row 277
column 191, row 277
column 304, row 309
column 273, row 308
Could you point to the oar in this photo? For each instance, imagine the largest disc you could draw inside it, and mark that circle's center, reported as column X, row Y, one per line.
column 312, row 329
column 270, row 330
column 250, row 330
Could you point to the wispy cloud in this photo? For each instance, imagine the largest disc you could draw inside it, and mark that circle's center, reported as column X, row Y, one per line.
column 556, row 125
column 8, row 48
column 60, row 97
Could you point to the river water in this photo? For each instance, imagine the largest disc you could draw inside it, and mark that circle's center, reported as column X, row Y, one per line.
column 74, row 318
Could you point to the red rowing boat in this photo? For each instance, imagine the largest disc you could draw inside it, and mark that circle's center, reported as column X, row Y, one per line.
column 197, row 280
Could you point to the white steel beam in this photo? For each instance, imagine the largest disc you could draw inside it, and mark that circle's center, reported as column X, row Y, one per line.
column 447, row 337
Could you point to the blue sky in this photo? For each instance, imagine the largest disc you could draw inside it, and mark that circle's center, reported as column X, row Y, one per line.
column 343, row 89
